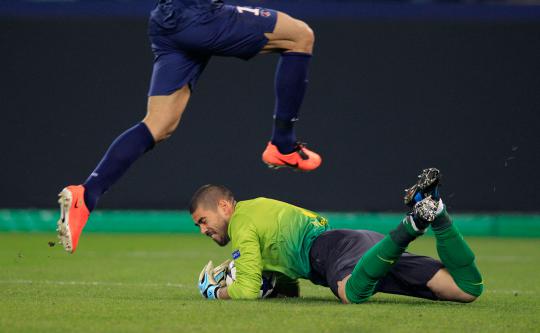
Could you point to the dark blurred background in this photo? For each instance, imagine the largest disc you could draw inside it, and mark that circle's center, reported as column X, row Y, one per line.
column 394, row 87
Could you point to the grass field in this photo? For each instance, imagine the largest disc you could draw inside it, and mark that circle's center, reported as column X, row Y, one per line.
column 146, row 283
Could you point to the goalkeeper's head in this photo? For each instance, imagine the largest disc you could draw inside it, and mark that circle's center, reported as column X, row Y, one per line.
column 211, row 208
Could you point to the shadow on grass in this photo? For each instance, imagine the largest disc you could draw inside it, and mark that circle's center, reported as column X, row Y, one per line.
column 400, row 300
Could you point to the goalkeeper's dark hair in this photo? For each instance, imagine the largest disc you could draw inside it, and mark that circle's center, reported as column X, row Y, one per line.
column 209, row 195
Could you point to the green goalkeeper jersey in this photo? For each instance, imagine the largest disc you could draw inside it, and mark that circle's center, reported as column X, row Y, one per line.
column 270, row 235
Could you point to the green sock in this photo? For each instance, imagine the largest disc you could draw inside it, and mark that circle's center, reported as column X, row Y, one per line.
column 456, row 255
column 378, row 260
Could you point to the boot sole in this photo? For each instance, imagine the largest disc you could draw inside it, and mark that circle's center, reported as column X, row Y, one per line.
column 65, row 199
column 428, row 178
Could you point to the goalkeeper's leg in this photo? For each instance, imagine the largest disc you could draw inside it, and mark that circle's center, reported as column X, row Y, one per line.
column 461, row 280
column 380, row 259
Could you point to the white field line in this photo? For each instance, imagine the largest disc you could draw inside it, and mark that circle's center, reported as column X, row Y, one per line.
column 93, row 283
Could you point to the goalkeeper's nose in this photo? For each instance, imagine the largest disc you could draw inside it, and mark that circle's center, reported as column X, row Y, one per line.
column 203, row 229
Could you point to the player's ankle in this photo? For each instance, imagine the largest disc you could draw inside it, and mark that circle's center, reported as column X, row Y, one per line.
column 442, row 221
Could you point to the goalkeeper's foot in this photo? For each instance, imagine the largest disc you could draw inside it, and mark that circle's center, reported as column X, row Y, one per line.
column 425, row 211
column 427, row 185
column 73, row 216
column 301, row 158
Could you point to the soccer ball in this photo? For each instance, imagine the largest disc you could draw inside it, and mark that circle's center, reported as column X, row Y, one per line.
column 268, row 281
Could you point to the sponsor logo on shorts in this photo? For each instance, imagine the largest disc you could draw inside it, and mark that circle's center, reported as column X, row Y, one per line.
column 265, row 13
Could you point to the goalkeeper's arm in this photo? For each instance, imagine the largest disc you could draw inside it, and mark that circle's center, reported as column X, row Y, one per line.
column 222, row 293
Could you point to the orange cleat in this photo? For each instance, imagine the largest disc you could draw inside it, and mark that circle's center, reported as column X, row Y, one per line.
column 73, row 216
column 301, row 158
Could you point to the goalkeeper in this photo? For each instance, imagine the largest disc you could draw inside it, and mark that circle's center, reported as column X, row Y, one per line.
column 269, row 235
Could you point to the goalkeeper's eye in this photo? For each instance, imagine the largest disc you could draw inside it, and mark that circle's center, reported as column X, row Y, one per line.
column 200, row 222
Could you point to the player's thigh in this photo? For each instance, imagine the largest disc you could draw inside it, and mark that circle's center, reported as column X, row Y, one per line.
column 174, row 75
column 335, row 254
column 443, row 285
column 290, row 34
column 230, row 31
column 173, row 68
column 409, row 276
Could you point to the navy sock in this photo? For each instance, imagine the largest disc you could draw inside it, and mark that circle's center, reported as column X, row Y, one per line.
column 125, row 150
column 290, row 84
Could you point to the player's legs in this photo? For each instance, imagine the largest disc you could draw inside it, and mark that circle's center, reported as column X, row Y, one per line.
column 76, row 202
column 164, row 113
column 124, row 150
column 445, row 288
column 359, row 286
column 294, row 39
column 461, row 280
column 173, row 74
column 289, row 35
column 381, row 258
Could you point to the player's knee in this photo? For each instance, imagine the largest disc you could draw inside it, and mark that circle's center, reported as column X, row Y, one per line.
column 161, row 130
column 468, row 299
column 305, row 38
column 166, row 132
column 349, row 292
column 448, row 288
column 469, row 292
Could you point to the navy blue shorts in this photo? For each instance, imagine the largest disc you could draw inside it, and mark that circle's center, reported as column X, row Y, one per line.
column 230, row 31
column 335, row 253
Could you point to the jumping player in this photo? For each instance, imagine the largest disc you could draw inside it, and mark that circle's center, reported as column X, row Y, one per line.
column 269, row 235
column 184, row 34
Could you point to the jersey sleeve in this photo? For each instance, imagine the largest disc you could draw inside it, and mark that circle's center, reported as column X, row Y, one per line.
column 248, row 263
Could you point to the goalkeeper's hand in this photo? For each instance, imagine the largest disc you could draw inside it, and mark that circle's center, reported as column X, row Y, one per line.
column 207, row 284
column 220, row 273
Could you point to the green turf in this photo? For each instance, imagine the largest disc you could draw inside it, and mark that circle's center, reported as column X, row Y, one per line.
column 146, row 283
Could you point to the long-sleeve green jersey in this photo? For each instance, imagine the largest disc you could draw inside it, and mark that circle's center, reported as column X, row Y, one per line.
column 270, row 235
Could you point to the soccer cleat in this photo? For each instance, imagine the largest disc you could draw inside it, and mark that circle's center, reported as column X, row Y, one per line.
column 425, row 211
column 73, row 216
column 427, row 185
column 301, row 158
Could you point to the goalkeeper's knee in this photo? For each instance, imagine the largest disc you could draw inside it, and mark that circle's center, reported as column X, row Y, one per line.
column 359, row 292
column 469, row 280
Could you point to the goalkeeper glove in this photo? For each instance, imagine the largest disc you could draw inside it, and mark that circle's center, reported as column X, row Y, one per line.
column 208, row 286
column 220, row 273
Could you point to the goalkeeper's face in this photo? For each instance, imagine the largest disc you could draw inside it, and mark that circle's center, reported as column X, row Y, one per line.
column 213, row 223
